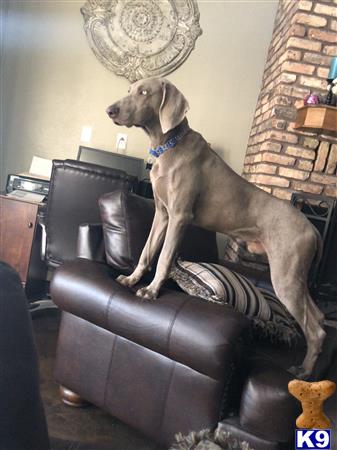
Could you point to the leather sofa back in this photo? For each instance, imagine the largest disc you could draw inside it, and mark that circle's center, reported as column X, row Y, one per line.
column 127, row 220
column 73, row 199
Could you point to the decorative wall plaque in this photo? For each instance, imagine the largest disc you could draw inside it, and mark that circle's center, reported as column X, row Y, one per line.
column 141, row 38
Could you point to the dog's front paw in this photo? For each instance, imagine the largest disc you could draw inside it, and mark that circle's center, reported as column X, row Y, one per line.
column 126, row 281
column 147, row 293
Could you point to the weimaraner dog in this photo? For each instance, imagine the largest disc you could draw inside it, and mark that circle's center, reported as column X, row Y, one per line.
column 192, row 184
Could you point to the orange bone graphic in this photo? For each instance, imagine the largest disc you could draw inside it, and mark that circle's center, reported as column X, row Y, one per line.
column 312, row 396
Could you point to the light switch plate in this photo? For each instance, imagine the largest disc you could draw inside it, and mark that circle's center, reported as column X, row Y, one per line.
column 86, row 134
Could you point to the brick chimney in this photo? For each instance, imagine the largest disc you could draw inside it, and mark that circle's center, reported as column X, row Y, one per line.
column 280, row 159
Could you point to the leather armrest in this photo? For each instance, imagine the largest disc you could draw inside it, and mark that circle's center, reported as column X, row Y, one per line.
column 90, row 242
column 185, row 329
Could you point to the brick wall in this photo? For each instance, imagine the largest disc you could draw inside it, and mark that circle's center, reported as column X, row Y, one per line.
column 280, row 159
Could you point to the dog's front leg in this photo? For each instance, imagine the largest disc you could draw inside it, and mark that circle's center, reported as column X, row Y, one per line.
column 153, row 244
column 175, row 231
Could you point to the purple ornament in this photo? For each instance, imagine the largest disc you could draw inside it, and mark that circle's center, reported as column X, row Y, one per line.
column 311, row 99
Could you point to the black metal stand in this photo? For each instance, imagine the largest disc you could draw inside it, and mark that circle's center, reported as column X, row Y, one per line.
column 322, row 213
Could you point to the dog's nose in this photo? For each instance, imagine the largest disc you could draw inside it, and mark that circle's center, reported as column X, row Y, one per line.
column 112, row 111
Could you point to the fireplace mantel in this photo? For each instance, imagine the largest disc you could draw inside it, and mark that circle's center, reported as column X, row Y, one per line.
column 317, row 119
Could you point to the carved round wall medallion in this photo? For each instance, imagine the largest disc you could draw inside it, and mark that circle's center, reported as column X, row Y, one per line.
column 141, row 21
column 141, row 38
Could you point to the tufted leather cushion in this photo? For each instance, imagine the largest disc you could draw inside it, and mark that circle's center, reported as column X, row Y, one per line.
column 127, row 220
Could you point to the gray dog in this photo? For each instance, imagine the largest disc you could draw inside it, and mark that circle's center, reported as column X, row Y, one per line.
column 192, row 184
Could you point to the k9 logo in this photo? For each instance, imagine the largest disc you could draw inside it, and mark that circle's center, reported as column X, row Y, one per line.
column 313, row 439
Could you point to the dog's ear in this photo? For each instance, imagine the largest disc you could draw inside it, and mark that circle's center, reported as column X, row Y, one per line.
column 173, row 108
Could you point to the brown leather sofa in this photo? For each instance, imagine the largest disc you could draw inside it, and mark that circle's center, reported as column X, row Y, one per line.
column 175, row 365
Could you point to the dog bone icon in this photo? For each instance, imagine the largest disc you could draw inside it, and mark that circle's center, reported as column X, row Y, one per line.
column 312, row 396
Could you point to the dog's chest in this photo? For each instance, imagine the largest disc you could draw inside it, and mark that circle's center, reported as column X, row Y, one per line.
column 159, row 183
column 165, row 177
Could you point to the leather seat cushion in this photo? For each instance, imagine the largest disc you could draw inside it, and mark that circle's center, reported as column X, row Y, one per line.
column 200, row 335
column 127, row 220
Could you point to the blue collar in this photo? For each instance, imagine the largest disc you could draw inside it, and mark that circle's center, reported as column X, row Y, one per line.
column 172, row 142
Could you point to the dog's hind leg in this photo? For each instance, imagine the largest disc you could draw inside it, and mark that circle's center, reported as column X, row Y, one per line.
column 289, row 278
column 315, row 336
column 295, row 296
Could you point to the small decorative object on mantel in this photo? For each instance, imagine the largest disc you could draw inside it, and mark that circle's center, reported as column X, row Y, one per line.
column 312, row 99
column 141, row 38
column 332, row 83
column 319, row 113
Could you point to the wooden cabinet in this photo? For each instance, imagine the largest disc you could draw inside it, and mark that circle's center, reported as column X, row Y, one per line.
column 20, row 241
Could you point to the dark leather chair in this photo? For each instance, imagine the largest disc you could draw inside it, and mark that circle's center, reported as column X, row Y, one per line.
column 22, row 420
column 75, row 188
column 175, row 365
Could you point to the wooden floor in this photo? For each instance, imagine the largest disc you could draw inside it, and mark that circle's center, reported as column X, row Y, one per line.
column 72, row 428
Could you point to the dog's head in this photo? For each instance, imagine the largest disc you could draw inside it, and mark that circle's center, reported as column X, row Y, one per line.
column 150, row 101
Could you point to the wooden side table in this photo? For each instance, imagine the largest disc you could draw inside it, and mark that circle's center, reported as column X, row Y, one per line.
column 20, row 241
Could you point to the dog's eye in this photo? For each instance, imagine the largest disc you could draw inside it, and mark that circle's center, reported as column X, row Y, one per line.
column 143, row 92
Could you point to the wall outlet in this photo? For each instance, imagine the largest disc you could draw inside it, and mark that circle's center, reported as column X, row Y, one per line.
column 121, row 141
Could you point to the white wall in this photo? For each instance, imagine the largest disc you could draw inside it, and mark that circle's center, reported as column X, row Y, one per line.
column 52, row 84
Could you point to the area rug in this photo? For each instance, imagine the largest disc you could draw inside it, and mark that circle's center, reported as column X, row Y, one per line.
column 209, row 440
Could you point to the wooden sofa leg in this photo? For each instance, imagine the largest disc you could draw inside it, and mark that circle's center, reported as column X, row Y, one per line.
column 70, row 398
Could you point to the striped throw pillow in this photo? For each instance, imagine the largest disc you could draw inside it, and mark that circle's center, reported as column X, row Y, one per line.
column 218, row 284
